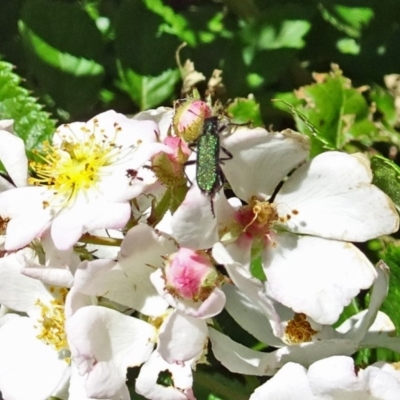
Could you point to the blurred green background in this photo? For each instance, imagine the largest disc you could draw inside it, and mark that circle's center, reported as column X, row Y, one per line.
column 82, row 57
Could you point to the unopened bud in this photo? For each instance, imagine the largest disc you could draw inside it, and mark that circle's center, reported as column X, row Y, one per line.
column 190, row 275
column 189, row 118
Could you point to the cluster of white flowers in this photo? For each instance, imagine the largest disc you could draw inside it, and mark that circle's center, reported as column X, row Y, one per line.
column 113, row 257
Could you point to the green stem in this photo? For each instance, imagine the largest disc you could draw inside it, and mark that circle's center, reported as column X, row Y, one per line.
column 106, row 241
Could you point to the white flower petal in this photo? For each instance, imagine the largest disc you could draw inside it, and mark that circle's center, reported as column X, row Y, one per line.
column 182, row 338
column 77, row 389
column 334, row 376
column 119, row 186
column 5, row 185
column 121, row 130
column 389, row 368
column 161, row 115
column 68, row 226
column 236, row 357
column 193, row 224
column 50, row 276
column 238, row 252
column 106, row 278
column 249, row 316
column 382, row 333
column 332, row 196
column 379, row 293
column 278, row 388
column 7, row 125
column 381, row 383
column 59, row 267
column 315, row 276
column 104, row 343
column 240, row 359
column 210, row 307
column 254, row 290
column 261, row 159
column 147, row 385
column 12, row 154
column 128, row 280
column 76, row 300
column 308, row 353
column 29, row 368
column 18, row 291
column 28, row 216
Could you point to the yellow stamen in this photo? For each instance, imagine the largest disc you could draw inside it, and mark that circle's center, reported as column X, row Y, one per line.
column 76, row 165
column 51, row 324
column 264, row 212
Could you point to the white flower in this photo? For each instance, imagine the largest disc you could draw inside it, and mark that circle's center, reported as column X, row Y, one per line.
column 33, row 348
column 334, row 378
column 29, row 368
column 299, row 235
column 298, row 338
column 88, row 175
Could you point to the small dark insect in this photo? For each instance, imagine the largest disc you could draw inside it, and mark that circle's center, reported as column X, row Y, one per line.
column 132, row 174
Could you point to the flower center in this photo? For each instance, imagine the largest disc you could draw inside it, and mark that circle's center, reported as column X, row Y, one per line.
column 51, row 325
column 298, row 330
column 75, row 165
column 257, row 217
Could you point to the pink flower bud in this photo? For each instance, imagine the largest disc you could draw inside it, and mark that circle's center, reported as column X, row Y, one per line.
column 189, row 118
column 168, row 167
column 190, row 274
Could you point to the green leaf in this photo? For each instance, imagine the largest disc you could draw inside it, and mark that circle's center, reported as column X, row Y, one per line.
column 348, row 46
column 175, row 24
column 338, row 112
column 387, row 177
column 245, row 111
column 391, row 306
column 65, row 62
column 385, row 104
column 65, row 51
column 148, row 91
column 31, row 123
column 350, row 20
column 304, row 125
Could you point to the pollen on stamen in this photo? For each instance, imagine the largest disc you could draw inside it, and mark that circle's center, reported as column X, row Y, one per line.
column 51, row 326
column 257, row 217
column 157, row 323
column 298, row 330
column 74, row 165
